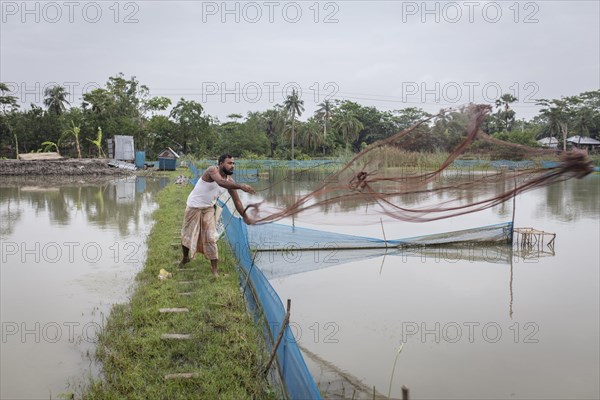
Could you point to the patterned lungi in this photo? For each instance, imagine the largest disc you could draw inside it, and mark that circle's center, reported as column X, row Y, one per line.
column 198, row 232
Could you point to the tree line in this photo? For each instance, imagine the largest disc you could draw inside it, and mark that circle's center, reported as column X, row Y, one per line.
column 124, row 107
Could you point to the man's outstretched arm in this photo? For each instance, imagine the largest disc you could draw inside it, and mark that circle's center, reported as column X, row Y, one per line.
column 228, row 183
column 240, row 207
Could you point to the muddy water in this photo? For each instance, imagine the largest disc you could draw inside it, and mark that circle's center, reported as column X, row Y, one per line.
column 68, row 253
column 525, row 326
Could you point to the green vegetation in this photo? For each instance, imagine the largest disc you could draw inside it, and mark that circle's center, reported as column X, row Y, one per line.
column 98, row 143
column 124, row 107
column 226, row 350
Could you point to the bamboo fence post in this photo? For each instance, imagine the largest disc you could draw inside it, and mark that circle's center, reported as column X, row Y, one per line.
column 286, row 320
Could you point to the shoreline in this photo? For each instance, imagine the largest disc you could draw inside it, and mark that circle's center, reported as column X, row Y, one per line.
column 84, row 167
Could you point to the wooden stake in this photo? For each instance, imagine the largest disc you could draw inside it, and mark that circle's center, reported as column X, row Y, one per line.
column 404, row 392
column 248, row 276
column 286, row 320
column 382, row 230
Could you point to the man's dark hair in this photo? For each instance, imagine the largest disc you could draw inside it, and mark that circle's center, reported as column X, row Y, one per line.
column 224, row 157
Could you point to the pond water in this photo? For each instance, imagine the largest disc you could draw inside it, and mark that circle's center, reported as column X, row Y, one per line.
column 520, row 325
column 515, row 326
column 68, row 252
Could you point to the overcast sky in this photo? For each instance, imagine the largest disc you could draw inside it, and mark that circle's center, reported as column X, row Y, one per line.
column 235, row 57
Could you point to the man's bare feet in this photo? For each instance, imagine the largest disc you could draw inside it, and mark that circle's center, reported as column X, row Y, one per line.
column 184, row 261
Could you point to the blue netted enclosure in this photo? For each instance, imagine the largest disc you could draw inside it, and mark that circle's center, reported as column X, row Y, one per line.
column 289, row 369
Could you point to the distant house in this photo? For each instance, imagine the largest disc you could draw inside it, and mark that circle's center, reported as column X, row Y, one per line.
column 584, row 142
column 167, row 160
column 550, row 142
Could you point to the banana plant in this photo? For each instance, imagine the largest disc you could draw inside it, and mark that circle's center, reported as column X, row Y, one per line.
column 98, row 143
column 74, row 130
column 48, row 145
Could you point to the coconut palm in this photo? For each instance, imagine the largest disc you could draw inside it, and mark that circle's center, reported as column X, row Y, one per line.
column 274, row 125
column 506, row 116
column 310, row 135
column 55, row 99
column 8, row 106
column 7, row 103
column 294, row 105
column 324, row 113
column 349, row 126
column 234, row 117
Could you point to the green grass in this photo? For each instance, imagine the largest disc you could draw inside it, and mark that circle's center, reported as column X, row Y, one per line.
column 226, row 350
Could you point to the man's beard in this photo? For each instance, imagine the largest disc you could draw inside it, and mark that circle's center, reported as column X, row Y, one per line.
column 227, row 172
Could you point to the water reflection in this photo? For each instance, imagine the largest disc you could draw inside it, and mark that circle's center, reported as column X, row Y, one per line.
column 368, row 300
column 286, row 262
column 472, row 328
column 568, row 200
column 69, row 249
column 113, row 202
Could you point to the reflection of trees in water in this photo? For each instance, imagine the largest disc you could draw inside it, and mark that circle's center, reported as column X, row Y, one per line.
column 107, row 205
column 10, row 211
column 571, row 200
column 283, row 188
column 102, row 204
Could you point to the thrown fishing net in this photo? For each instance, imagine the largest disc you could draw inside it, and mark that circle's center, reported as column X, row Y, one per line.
column 421, row 196
column 276, row 247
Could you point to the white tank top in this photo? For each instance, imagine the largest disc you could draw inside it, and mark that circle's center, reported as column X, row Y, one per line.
column 204, row 194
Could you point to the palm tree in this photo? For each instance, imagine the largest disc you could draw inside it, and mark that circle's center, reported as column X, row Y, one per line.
column 310, row 137
column 274, row 125
column 8, row 105
column 294, row 105
column 581, row 121
column 505, row 115
column 324, row 113
column 7, row 102
column 55, row 99
column 234, row 117
column 349, row 126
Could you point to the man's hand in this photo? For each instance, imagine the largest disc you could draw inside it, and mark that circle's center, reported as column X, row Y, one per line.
column 248, row 220
column 247, row 188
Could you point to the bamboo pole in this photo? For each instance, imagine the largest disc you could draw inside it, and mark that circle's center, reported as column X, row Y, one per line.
column 286, row 320
column 404, row 392
column 248, row 275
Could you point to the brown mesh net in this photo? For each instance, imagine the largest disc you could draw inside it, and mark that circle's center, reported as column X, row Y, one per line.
column 371, row 178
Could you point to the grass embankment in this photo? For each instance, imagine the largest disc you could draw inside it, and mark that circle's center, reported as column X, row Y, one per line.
column 226, row 350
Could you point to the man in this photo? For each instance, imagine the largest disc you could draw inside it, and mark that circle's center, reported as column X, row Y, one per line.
column 198, row 231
